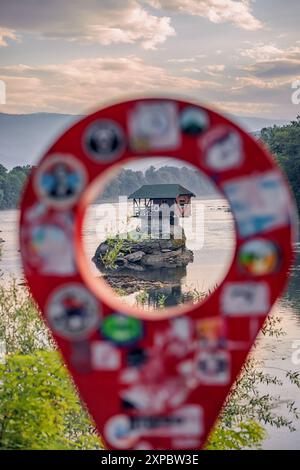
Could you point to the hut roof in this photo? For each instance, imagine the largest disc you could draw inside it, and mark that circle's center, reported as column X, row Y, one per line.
column 160, row 191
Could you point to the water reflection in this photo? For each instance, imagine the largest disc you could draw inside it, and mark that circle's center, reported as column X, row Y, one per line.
column 292, row 294
column 152, row 288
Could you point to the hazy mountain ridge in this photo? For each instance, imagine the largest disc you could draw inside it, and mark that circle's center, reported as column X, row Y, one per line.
column 24, row 137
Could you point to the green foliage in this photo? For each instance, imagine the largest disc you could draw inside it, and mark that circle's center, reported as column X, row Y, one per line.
column 193, row 295
column 128, row 181
column 248, row 434
column 21, row 327
column 247, row 411
column 284, row 143
column 142, row 297
column 115, row 245
column 39, row 408
column 120, row 292
column 161, row 300
column 11, row 185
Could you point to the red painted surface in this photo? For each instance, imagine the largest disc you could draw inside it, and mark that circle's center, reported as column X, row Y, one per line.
column 156, row 383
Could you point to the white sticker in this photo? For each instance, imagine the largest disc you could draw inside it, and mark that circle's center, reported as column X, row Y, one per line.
column 104, row 356
column 123, row 431
column 223, row 149
column 72, row 311
column 48, row 247
column 259, row 203
column 245, row 298
column 181, row 328
column 154, row 126
column 212, row 367
column 156, row 398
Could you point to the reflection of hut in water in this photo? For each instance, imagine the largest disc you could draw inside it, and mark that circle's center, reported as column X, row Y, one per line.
column 159, row 206
column 165, row 297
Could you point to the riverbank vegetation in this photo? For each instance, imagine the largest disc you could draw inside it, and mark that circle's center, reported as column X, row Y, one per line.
column 39, row 404
column 283, row 141
column 11, row 185
column 40, row 407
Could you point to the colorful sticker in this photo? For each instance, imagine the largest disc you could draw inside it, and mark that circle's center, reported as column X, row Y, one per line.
column 48, row 249
column 210, row 332
column 222, row 149
column 122, row 329
column 245, row 298
column 213, row 367
column 104, row 141
column 193, row 121
column 154, row 126
column 104, row 356
column 258, row 257
column 123, row 431
column 161, row 376
column 60, row 180
column 260, row 203
column 159, row 382
column 72, row 311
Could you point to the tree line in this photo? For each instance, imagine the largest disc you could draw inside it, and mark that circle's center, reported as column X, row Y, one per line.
column 125, row 183
column 11, row 185
column 128, row 181
column 283, row 141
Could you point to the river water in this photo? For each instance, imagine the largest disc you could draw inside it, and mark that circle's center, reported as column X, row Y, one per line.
column 211, row 239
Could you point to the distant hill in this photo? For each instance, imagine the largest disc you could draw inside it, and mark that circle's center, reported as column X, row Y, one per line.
column 255, row 124
column 284, row 143
column 24, row 137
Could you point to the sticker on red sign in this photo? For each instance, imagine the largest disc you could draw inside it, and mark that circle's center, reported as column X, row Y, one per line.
column 151, row 381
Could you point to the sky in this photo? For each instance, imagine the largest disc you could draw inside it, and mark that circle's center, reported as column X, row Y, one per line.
column 63, row 56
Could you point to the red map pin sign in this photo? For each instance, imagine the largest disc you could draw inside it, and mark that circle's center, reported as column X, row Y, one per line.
column 155, row 381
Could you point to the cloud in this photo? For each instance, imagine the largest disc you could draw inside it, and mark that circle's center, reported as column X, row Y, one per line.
column 105, row 22
column 74, row 86
column 217, row 11
column 246, row 108
column 273, row 66
column 215, row 69
column 5, row 34
column 191, row 70
column 182, row 61
column 266, row 52
column 261, row 51
column 242, row 82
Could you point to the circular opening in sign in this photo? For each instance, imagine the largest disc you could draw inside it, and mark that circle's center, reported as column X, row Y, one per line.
column 157, row 237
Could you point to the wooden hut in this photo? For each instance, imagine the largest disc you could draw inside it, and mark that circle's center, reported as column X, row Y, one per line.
column 151, row 198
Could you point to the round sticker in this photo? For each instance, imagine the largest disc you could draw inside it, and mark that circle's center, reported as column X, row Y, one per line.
column 104, row 140
column 223, row 149
column 60, row 180
column 122, row 329
column 154, row 126
column 118, row 432
column 258, row 257
column 148, row 376
column 194, row 121
column 72, row 311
